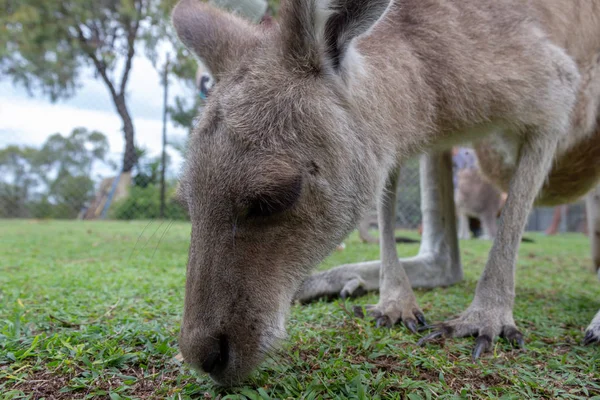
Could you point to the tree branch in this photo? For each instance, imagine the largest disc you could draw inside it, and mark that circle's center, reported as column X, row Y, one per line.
column 100, row 66
column 131, row 36
column 128, row 61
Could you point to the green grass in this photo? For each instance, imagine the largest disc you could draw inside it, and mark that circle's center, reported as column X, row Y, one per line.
column 89, row 311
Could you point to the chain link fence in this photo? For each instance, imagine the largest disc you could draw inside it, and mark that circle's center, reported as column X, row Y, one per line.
column 32, row 185
column 408, row 201
column 75, row 177
column 567, row 218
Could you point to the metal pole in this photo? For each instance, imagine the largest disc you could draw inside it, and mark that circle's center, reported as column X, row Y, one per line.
column 164, row 139
column 111, row 194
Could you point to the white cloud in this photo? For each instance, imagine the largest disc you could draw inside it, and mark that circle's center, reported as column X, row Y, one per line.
column 144, row 92
column 27, row 120
column 30, row 122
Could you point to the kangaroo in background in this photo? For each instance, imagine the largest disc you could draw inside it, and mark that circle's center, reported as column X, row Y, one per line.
column 310, row 120
column 474, row 195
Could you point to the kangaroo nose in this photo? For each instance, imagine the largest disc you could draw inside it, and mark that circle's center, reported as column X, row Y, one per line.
column 218, row 356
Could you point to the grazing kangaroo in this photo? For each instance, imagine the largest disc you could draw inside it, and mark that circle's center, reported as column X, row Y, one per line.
column 475, row 197
column 310, row 120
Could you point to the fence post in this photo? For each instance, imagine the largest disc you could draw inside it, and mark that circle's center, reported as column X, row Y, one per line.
column 164, row 139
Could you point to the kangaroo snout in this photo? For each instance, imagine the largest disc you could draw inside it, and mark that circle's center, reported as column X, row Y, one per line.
column 215, row 354
column 210, row 353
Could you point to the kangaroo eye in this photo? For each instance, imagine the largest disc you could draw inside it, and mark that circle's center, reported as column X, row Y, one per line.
column 276, row 199
column 261, row 208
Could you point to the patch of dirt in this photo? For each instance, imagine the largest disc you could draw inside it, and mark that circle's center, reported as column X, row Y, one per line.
column 465, row 377
column 43, row 384
column 48, row 385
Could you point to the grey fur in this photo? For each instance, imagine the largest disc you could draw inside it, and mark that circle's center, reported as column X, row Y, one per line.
column 286, row 129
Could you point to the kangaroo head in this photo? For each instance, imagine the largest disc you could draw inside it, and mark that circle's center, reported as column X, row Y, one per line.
column 277, row 172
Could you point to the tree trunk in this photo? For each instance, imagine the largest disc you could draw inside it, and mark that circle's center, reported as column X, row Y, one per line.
column 129, row 157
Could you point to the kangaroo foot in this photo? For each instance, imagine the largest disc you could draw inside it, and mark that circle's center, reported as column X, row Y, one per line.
column 483, row 324
column 389, row 313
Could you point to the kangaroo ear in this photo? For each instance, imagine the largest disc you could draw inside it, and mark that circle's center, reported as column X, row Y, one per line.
column 318, row 33
column 218, row 38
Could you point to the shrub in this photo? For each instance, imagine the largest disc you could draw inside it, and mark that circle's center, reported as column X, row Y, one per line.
column 144, row 203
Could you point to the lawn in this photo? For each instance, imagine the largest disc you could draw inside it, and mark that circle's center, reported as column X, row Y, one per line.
column 92, row 310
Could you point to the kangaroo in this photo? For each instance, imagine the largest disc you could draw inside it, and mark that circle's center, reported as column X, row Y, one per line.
column 310, row 120
column 475, row 197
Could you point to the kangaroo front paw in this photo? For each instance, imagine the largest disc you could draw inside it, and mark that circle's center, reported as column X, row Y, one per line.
column 387, row 314
column 353, row 288
column 483, row 324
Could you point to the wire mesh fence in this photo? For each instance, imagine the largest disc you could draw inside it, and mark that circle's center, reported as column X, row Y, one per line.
column 76, row 177
column 408, row 206
column 32, row 186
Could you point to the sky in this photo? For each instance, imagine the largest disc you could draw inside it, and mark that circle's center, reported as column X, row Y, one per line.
column 27, row 120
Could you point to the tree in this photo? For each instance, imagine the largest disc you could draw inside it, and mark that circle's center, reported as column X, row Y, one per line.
column 184, row 111
column 56, row 178
column 148, row 169
column 44, row 45
column 18, row 180
column 73, row 155
column 68, row 162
